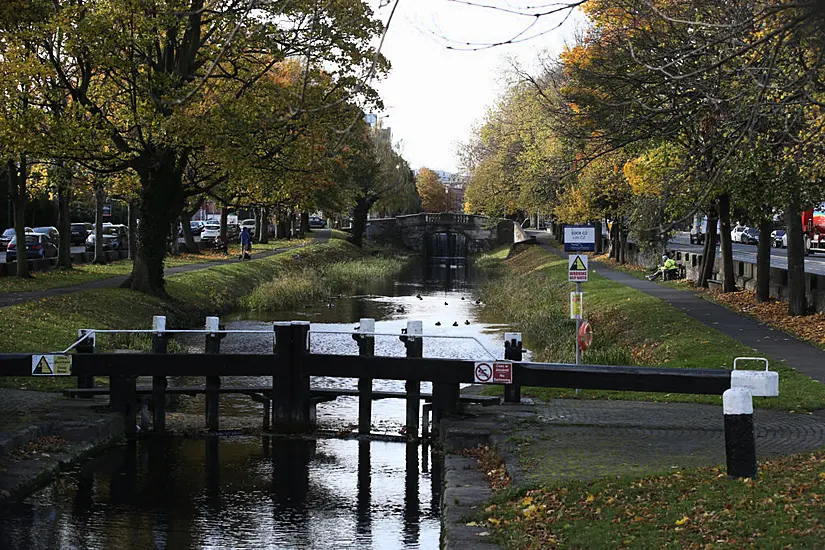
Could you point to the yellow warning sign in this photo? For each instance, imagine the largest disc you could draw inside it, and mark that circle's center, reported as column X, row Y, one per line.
column 51, row 365
column 577, row 268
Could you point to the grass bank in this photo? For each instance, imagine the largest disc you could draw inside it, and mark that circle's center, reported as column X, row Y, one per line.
column 317, row 283
column 698, row 508
column 530, row 290
column 51, row 324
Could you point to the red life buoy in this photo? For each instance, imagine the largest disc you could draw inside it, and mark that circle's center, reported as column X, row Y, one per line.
column 585, row 336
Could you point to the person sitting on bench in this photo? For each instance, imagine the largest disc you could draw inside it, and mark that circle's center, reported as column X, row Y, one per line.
column 668, row 270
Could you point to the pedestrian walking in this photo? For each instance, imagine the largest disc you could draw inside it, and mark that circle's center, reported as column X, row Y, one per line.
column 246, row 244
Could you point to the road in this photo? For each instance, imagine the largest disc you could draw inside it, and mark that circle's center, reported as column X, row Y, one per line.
column 815, row 263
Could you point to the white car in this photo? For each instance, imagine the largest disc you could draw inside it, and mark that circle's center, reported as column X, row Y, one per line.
column 736, row 233
column 249, row 224
column 211, row 231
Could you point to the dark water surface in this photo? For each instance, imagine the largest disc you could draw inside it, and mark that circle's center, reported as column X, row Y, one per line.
column 264, row 492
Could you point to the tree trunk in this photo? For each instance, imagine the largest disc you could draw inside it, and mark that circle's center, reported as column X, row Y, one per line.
column 709, row 251
column 622, row 244
column 64, row 223
column 100, row 257
column 763, row 261
column 188, row 238
column 264, row 223
column 161, row 198
column 132, row 211
column 359, row 220
column 174, row 239
column 797, row 302
column 614, row 241
column 729, row 280
column 224, row 219
column 305, row 222
column 17, row 187
column 598, row 227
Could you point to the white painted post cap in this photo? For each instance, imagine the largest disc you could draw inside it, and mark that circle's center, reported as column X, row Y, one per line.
column 510, row 336
column 366, row 326
column 159, row 323
column 737, row 401
column 91, row 338
column 415, row 328
column 212, row 324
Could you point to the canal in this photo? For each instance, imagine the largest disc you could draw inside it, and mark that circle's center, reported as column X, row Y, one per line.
column 250, row 490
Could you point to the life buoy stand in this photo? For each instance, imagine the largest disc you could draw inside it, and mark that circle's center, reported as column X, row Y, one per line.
column 585, row 336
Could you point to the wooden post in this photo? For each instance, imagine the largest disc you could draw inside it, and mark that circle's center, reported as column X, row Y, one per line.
column 366, row 348
column 130, row 406
column 425, row 420
column 281, row 347
column 512, row 352
column 86, row 346
column 213, row 383
column 160, row 341
column 291, row 398
column 415, row 349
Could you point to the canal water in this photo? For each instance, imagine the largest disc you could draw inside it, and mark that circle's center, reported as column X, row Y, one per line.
column 256, row 491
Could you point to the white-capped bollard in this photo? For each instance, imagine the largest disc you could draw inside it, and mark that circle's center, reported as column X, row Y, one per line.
column 761, row 383
column 159, row 324
column 740, row 440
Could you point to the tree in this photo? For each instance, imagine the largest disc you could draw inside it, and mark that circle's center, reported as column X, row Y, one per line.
column 435, row 196
column 144, row 81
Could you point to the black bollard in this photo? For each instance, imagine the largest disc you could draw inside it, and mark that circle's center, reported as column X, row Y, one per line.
column 213, row 383
column 414, row 344
column 366, row 348
column 160, row 342
column 513, row 351
column 86, row 346
column 740, row 440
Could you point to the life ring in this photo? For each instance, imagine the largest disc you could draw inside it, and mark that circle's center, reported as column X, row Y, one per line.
column 585, row 336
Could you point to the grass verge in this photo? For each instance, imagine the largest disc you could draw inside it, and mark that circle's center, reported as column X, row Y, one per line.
column 51, row 324
column 84, row 273
column 631, row 328
column 691, row 509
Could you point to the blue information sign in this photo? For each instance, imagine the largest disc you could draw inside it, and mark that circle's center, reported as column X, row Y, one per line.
column 579, row 238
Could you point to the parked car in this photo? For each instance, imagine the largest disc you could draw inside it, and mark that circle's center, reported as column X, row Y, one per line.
column 80, row 231
column 51, row 232
column 8, row 235
column 316, row 222
column 745, row 235
column 115, row 237
column 250, row 224
column 750, row 235
column 211, row 231
column 233, row 231
column 38, row 247
column 196, row 227
column 778, row 238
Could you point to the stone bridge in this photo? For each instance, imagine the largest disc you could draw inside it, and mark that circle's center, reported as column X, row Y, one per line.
column 444, row 234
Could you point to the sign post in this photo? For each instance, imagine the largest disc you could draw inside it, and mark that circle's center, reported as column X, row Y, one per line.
column 578, row 238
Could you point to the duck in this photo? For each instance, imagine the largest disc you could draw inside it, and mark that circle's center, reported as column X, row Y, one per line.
column 462, row 297
column 400, row 310
column 466, row 321
column 438, row 323
column 455, row 324
column 356, row 329
column 446, row 304
column 419, row 296
column 478, row 302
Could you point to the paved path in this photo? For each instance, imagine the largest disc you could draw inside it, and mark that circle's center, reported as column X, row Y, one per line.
column 14, row 298
column 579, row 439
column 803, row 357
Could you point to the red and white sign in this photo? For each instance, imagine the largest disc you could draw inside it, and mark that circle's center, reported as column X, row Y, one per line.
column 493, row 372
column 503, row 373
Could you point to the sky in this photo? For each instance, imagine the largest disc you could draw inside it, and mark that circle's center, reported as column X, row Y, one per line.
column 434, row 96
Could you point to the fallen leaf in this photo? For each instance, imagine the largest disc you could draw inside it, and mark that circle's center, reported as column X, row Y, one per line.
column 682, row 521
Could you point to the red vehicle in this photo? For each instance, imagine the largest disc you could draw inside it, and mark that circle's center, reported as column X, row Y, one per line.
column 813, row 229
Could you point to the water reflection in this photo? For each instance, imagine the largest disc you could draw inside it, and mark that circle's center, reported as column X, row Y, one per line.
column 234, row 493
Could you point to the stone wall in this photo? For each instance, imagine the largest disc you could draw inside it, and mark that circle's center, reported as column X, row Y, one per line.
column 745, row 274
